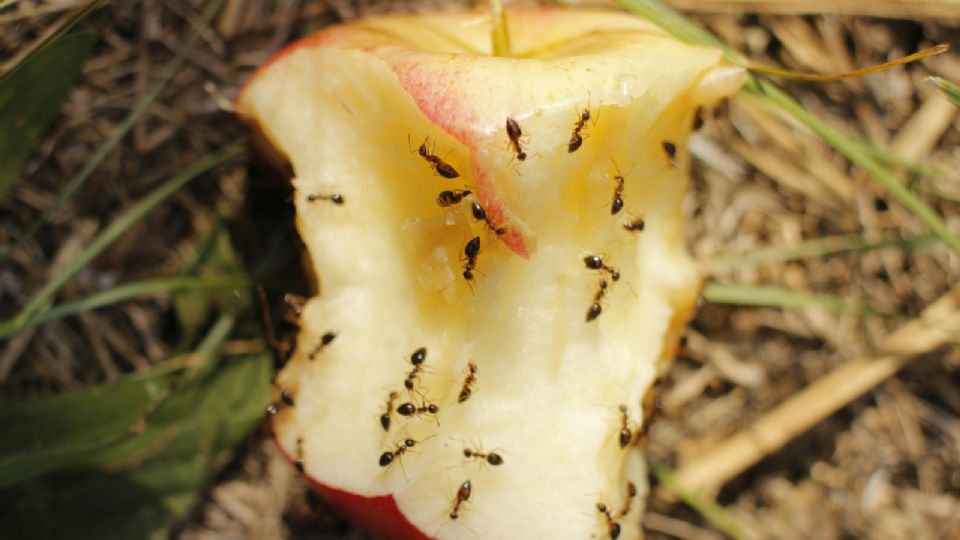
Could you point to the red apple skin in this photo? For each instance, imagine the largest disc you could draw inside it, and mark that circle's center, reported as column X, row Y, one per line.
column 378, row 516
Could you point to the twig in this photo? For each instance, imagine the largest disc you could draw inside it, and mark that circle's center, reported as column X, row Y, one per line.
column 937, row 325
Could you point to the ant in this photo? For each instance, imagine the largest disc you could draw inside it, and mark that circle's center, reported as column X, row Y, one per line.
column 387, row 457
column 467, row 388
column 612, row 526
column 636, row 225
column 385, row 417
column 286, row 400
column 514, row 133
column 671, row 150
column 492, row 458
column 325, row 340
column 631, row 493
column 698, row 119
column 480, row 214
column 617, row 205
column 451, row 197
column 417, row 359
column 299, row 463
column 626, row 435
column 439, row 166
column 576, row 139
column 595, row 262
column 595, row 308
column 652, row 407
column 335, row 198
column 470, row 251
column 409, row 409
column 463, row 494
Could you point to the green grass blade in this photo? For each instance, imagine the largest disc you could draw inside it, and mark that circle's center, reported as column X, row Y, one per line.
column 115, row 230
column 710, row 510
column 137, row 289
column 683, row 29
column 125, row 126
column 818, row 247
column 949, row 90
column 764, row 296
column 30, row 100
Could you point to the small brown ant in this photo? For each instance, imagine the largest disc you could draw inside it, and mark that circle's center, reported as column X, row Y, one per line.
column 595, row 308
column 470, row 251
column 576, row 139
column 617, row 205
column 467, row 389
column 451, row 197
column 463, row 494
column 636, row 225
column 698, row 118
column 480, row 214
column 626, row 435
column 652, row 408
column 385, row 417
column 595, row 262
column 409, row 409
column 631, row 493
column 492, row 458
column 671, row 150
column 514, row 133
column 439, row 166
column 286, row 400
column 612, row 526
column 335, row 198
column 417, row 359
column 387, row 457
column 299, row 463
column 325, row 340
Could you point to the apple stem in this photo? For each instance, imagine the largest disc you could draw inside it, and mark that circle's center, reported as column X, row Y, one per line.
column 499, row 33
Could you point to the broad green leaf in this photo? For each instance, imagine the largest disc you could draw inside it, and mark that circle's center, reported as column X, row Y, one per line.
column 30, row 100
column 44, row 434
column 136, row 486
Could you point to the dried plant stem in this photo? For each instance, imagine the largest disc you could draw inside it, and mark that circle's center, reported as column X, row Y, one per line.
column 499, row 32
column 817, row 247
column 869, row 8
column 937, row 325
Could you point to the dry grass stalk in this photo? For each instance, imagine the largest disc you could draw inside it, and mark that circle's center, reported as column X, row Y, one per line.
column 938, row 325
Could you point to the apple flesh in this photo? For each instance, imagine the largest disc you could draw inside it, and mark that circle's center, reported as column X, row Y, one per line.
column 553, row 354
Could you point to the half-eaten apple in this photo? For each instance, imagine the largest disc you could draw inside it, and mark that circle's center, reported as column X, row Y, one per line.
column 502, row 273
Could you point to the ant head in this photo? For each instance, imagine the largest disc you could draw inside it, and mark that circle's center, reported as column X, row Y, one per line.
column 593, row 262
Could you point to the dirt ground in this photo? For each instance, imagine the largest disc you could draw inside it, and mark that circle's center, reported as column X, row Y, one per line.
column 884, row 465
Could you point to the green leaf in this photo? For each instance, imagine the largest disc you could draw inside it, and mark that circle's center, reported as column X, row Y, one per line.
column 125, row 460
column 59, row 431
column 30, row 100
column 136, row 487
